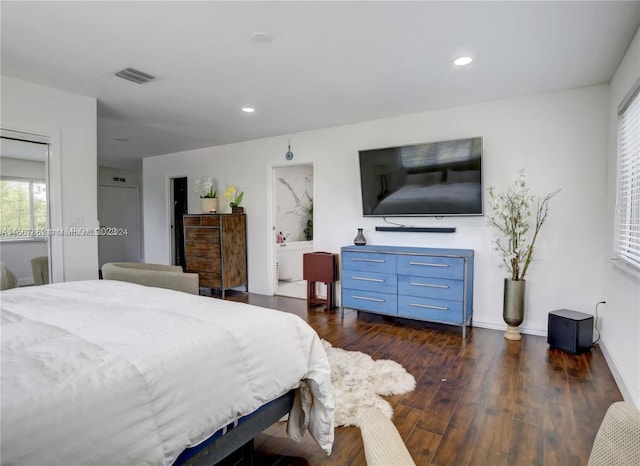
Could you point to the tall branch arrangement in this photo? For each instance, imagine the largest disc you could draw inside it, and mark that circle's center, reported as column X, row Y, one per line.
column 511, row 216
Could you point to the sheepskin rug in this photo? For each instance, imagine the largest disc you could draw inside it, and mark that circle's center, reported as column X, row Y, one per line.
column 358, row 381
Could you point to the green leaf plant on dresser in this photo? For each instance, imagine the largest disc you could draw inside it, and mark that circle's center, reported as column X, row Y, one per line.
column 429, row 284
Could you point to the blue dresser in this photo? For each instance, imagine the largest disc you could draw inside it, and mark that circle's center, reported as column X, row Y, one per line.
column 417, row 283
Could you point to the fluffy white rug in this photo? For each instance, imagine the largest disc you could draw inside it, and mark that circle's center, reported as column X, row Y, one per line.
column 358, row 381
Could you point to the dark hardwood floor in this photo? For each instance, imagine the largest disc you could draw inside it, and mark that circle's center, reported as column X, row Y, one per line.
column 485, row 401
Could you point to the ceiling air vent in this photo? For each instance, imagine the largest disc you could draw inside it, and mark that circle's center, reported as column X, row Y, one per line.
column 136, row 76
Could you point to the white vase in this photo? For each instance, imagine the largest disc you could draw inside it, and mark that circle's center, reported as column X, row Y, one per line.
column 208, row 205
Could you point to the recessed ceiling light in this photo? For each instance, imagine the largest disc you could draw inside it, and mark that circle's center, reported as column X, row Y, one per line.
column 248, row 109
column 462, row 61
column 261, row 37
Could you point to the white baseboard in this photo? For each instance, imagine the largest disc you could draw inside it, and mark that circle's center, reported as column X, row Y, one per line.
column 618, row 376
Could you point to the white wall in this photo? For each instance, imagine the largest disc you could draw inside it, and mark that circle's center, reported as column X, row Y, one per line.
column 560, row 139
column 51, row 112
column 621, row 316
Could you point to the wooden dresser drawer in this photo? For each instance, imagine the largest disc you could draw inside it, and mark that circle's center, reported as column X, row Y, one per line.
column 208, row 250
column 368, row 262
column 370, row 301
column 428, row 287
column 439, row 310
column 202, row 264
column 201, row 220
column 359, row 280
column 210, row 279
column 431, row 266
column 202, row 235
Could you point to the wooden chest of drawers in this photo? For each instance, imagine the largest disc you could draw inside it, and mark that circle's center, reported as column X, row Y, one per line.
column 216, row 249
column 418, row 283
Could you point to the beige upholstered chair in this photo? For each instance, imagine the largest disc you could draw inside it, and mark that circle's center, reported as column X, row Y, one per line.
column 617, row 442
column 161, row 276
column 40, row 270
column 383, row 445
column 7, row 278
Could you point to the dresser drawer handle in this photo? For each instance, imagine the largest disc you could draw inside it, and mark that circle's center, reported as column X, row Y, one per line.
column 429, row 285
column 377, row 300
column 365, row 279
column 439, row 308
column 428, row 264
column 357, row 259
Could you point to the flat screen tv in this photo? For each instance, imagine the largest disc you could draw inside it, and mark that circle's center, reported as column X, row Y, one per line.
column 441, row 178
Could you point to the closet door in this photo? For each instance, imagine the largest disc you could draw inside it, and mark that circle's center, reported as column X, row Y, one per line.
column 118, row 210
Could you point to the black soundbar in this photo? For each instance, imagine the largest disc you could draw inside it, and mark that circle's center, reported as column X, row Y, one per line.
column 419, row 229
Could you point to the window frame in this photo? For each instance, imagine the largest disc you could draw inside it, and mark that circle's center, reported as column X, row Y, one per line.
column 626, row 247
column 32, row 216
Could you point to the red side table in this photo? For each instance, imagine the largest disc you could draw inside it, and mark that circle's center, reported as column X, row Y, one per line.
column 320, row 267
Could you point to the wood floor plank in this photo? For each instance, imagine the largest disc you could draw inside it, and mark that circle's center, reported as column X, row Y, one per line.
column 525, row 444
column 503, row 403
column 422, row 445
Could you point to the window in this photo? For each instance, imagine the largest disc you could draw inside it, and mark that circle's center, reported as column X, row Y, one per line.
column 627, row 236
column 23, row 208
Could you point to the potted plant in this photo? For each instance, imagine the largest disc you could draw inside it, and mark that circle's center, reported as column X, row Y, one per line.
column 231, row 194
column 516, row 234
column 308, row 231
column 208, row 199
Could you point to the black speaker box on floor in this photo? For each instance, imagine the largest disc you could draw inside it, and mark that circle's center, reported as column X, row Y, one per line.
column 570, row 331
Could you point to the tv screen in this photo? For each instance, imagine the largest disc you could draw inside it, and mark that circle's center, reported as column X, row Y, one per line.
column 441, row 178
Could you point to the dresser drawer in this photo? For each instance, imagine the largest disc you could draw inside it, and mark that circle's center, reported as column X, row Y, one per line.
column 202, row 264
column 431, row 266
column 430, row 309
column 369, row 301
column 210, row 279
column 208, row 250
column 381, row 282
column 428, row 287
column 202, row 235
column 368, row 262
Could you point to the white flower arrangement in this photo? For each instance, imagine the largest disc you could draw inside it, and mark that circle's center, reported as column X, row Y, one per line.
column 205, row 188
column 511, row 217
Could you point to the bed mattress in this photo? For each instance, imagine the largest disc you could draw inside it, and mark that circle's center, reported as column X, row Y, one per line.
column 107, row 372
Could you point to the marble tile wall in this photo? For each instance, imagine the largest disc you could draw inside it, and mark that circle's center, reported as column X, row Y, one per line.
column 294, row 198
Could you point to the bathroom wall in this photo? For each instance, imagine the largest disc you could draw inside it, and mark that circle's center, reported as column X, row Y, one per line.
column 294, row 197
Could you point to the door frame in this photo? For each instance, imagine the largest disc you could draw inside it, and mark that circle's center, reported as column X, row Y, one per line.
column 272, row 283
column 168, row 209
column 172, row 219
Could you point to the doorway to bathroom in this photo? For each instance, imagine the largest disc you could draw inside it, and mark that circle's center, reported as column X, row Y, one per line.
column 293, row 226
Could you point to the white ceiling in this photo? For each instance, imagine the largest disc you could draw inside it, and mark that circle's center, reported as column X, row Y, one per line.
column 329, row 63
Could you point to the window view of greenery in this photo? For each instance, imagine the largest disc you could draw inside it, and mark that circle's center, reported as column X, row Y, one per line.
column 23, row 208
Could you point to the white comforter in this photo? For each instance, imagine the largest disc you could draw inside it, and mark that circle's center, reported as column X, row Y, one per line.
column 108, row 373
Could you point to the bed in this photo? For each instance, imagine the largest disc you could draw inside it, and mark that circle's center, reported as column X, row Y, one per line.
column 108, row 373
